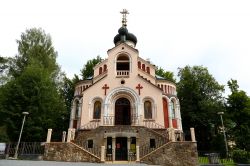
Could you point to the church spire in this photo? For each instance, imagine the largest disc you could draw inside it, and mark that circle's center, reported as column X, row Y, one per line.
column 124, row 13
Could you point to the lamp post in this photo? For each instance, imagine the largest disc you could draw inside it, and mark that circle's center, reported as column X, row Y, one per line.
column 224, row 133
column 19, row 139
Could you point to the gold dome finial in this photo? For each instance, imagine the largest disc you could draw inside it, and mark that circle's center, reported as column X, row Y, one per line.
column 124, row 13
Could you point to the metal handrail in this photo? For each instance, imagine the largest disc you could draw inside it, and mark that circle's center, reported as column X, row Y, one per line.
column 153, row 125
column 146, row 149
column 96, row 150
column 91, row 125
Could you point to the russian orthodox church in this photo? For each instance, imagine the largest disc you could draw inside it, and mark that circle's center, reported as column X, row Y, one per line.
column 125, row 111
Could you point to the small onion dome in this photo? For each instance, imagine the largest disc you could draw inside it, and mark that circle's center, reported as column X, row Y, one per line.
column 123, row 36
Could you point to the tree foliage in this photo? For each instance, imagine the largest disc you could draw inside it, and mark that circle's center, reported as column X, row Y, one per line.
column 165, row 74
column 3, row 64
column 35, row 45
column 67, row 91
column 200, row 97
column 238, row 107
column 88, row 70
column 4, row 69
column 33, row 88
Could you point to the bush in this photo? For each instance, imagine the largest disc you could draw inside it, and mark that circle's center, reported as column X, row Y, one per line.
column 241, row 156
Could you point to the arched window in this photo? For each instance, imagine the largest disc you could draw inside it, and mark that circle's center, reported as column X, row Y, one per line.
column 143, row 67
column 148, row 70
column 172, row 107
column 97, row 110
column 139, row 64
column 147, row 110
column 100, row 70
column 122, row 62
column 77, row 113
column 104, row 68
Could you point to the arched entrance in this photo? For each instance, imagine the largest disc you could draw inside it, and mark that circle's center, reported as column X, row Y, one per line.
column 122, row 112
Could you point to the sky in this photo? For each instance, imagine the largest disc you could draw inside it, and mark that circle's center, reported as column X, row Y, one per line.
column 172, row 34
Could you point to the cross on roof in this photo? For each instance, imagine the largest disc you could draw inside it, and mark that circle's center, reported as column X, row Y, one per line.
column 124, row 13
column 105, row 87
column 139, row 87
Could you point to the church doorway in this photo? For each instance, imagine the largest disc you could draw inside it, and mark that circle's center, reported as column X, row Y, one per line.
column 122, row 112
column 121, row 150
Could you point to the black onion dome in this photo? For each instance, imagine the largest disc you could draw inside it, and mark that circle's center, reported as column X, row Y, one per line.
column 132, row 37
column 123, row 32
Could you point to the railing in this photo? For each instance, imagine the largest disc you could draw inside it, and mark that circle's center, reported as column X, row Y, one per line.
column 131, row 155
column 91, row 125
column 122, row 73
column 108, row 120
column 96, row 150
column 206, row 158
column 152, row 125
column 110, row 152
column 25, row 148
column 179, row 136
column 135, row 119
column 146, row 149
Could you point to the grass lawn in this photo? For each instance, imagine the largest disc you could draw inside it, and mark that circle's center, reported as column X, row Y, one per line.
column 226, row 162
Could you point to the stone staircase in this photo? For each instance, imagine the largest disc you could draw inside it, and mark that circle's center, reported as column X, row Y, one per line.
column 173, row 154
column 95, row 150
column 159, row 134
column 161, row 140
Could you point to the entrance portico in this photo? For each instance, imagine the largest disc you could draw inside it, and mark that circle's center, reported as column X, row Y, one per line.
column 121, row 107
column 120, row 146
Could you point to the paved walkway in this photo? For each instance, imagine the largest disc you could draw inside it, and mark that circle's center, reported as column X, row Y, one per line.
column 54, row 163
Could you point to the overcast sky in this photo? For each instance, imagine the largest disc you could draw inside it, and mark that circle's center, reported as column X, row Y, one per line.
column 172, row 34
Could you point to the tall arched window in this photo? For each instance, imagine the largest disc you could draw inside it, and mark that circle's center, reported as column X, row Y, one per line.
column 77, row 113
column 100, row 70
column 148, row 70
column 97, row 110
column 147, row 110
column 172, row 106
column 139, row 64
column 143, row 67
column 122, row 62
column 104, row 68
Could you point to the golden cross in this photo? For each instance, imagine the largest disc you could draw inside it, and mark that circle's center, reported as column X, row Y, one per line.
column 124, row 13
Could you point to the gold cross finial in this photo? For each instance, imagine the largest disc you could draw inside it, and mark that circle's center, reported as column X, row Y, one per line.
column 124, row 13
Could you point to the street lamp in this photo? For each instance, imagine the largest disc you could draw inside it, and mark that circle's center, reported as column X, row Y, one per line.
column 19, row 139
column 224, row 133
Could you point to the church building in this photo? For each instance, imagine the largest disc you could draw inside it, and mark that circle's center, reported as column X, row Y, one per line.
column 124, row 111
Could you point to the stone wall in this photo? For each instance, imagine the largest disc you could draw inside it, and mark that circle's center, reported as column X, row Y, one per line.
column 174, row 154
column 58, row 151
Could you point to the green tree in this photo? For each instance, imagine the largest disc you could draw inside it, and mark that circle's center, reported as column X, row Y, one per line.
column 201, row 98
column 67, row 91
column 87, row 70
column 4, row 68
column 165, row 74
column 33, row 87
column 3, row 64
column 35, row 45
column 238, row 107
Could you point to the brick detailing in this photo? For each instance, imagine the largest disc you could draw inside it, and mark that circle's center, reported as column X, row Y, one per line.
column 173, row 154
column 68, row 152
